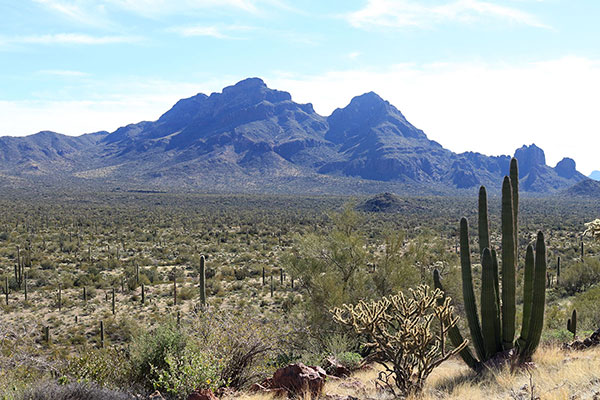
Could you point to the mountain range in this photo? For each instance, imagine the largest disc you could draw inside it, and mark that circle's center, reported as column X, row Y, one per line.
column 250, row 138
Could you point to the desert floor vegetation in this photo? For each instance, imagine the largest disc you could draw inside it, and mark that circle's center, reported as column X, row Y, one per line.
column 275, row 267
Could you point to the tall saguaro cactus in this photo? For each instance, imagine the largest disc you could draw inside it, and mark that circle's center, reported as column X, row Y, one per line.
column 495, row 335
column 202, row 281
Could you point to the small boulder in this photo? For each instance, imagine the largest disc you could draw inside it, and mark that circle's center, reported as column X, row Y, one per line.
column 156, row 396
column 334, row 368
column 204, row 394
column 294, row 380
column 339, row 397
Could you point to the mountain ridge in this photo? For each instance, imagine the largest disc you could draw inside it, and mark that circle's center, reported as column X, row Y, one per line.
column 249, row 135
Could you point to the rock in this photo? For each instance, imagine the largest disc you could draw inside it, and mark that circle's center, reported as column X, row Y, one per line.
column 339, row 397
column 336, row 369
column 294, row 380
column 354, row 385
column 529, row 157
column 156, row 396
column 566, row 168
column 204, row 394
column 592, row 341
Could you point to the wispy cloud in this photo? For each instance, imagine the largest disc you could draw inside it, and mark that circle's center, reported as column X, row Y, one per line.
column 68, row 38
column 410, row 13
column 95, row 12
column 66, row 73
column 218, row 32
column 83, row 12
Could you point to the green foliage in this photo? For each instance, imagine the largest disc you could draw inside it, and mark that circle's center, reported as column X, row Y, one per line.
column 350, row 360
column 151, row 350
column 588, row 311
column 187, row 371
column 345, row 266
column 106, row 367
column 580, row 276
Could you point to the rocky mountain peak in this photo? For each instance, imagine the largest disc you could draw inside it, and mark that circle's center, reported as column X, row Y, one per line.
column 529, row 157
column 253, row 90
column 566, row 168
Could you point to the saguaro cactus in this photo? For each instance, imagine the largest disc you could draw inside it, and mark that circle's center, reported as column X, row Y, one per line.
column 495, row 335
column 101, row 334
column 558, row 271
column 572, row 324
column 202, row 280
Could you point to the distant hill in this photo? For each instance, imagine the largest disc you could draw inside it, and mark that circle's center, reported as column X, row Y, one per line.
column 595, row 175
column 587, row 188
column 383, row 202
column 250, row 138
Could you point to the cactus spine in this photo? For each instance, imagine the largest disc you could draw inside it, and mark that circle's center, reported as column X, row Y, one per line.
column 496, row 333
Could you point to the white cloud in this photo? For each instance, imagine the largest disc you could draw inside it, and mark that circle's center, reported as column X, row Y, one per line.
column 99, row 105
column 94, row 12
column 407, row 13
column 66, row 73
column 218, row 32
column 492, row 109
column 68, row 38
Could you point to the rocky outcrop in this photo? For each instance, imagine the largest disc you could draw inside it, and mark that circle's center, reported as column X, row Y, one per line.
column 295, row 380
column 566, row 168
column 592, row 341
column 202, row 394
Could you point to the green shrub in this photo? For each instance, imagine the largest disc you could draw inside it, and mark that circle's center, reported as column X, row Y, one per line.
column 588, row 312
column 151, row 350
column 580, row 275
column 187, row 371
column 73, row 391
column 350, row 360
column 106, row 367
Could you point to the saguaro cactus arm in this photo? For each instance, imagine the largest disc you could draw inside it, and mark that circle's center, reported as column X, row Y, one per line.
column 508, row 266
column 489, row 325
column 468, row 292
column 536, row 323
column 454, row 333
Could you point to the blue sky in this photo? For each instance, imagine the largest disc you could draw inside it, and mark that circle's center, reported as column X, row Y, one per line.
column 483, row 75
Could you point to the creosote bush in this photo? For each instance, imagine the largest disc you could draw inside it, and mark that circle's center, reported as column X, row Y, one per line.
column 399, row 329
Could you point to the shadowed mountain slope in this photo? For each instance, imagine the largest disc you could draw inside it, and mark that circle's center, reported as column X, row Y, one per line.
column 250, row 136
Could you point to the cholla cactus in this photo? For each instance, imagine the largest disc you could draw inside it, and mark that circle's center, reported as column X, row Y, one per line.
column 593, row 229
column 399, row 328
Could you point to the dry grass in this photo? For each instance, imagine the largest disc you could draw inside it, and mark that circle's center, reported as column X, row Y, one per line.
column 556, row 375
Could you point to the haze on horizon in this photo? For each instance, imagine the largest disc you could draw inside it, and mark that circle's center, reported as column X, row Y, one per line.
column 476, row 75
